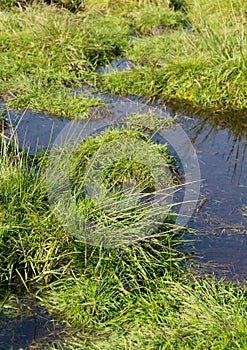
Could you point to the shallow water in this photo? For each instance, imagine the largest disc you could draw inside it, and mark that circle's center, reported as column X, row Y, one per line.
column 222, row 227
column 34, row 131
column 220, row 149
column 220, row 245
column 25, row 325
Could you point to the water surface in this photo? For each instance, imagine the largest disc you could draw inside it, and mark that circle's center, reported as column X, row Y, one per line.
column 220, row 145
column 26, row 325
column 221, row 149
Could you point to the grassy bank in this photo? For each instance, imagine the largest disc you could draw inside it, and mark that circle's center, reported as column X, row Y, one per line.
column 195, row 55
column 138, row 296
column 131, row 297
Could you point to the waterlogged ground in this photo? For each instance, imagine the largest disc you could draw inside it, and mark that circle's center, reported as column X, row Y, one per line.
column 26, row 325
column 221, row 224
column 194, row 54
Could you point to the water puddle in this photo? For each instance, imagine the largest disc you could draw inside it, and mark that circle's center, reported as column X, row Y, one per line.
column 220, row 223
column 26, row 325
column 34, row 131
column 220, row 146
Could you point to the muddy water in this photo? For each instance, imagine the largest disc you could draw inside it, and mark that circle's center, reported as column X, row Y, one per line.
column 220, row 146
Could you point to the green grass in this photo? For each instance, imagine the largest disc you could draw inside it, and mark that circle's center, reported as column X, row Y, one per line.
column 132, row 297
column 32, row 241
column 36, row 251
column 166, row 315
column 122, row 169
column 30, row 236
column 138, row 296
column 47, row 51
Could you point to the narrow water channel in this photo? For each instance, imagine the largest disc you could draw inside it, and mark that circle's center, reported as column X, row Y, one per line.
column 221, row 224
column 220, row 143
column 220, row 243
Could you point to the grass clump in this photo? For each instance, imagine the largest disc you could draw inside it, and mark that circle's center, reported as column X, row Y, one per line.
column 30, row 238
column 202, row 64
column 192, row 52
column 115, row 178
column 34, row 248
column 59, row 102
column 170, row 315
column 137, row 296
column 155, row 19
column 46, row 50
column 36, row 251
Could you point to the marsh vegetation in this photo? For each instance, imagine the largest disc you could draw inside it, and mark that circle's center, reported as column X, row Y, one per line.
column 195, row 55
column 139, row 296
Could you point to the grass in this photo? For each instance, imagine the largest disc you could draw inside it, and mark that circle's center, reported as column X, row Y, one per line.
column 180, row 55
column 121, row 170
column 139, row 296
column 132, row 297
column 30, row 236
column 37, row 252
column 168, row 315
column 56, row 50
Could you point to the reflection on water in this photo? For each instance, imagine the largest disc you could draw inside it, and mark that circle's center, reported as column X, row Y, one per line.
column 220, row 143
column 34, row 131
column 234, row 141
column 25, row 325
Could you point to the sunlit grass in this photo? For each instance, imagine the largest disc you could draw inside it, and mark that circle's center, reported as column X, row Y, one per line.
column 195, row 55
column 163, row 314
column 46, row 51
column 138, row 296
column 34, row 247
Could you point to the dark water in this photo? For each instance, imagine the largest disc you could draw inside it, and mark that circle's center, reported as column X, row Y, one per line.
column 220, row 145
column 25, row 325
column 220, row 245
column 34, row 131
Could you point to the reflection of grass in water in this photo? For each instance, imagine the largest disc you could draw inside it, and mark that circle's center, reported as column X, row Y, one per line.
column 136, row 297
column 208, row 126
